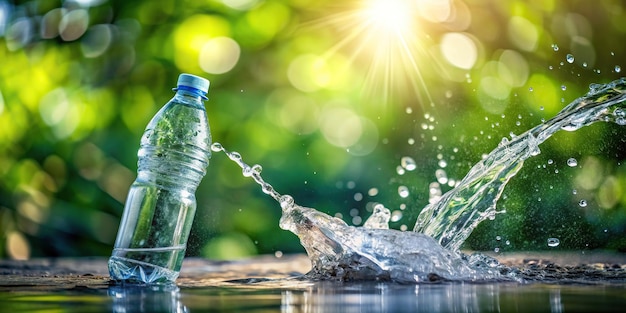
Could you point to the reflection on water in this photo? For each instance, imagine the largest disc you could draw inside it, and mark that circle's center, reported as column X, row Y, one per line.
column 384, row 297
column 269, row 284
column 145, row 298
column 455, row 297
column 327, row 297
column 392, row 297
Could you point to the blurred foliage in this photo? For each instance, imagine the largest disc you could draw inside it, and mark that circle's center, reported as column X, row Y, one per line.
column 327, row 96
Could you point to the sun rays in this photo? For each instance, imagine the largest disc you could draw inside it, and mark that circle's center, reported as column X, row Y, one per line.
column 384, row 39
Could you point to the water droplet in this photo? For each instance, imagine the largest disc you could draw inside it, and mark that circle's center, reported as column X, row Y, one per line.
column 496, row 250
column 400, row 170
column 563, row 87
column 571, row 162
column 541, row 108
column 268, row 189
column 409, row 110
column 582, row 203
column 408, row 163
column 442, row 163
column 358, row 196
column 584, row 64
column 256, row 169
column 372, row 192
column 217, row 147
column 569, row 58
column 286, row 201
column 530, row 89
column 507, row 242
column 553, row 242
column 396, row 216
column 434, row 192
column 550, row 161
column 411, row 141
column 555, row 47
column 247, row 171
column 594, row 88
column 618, row 68
column 235, row 156
column 442, row 177
column 403, row 191
column 574, row 191
column 498, row 238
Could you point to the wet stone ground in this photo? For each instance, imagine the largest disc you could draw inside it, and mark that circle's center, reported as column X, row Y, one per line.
column 73, row 273
column 92, row 273
column 568, row 268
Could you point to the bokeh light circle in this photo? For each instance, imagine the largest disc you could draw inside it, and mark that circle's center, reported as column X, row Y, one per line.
column 309, row 73
column 341, row 127
column 459, row 50
column 219, row 55
column 73, row 24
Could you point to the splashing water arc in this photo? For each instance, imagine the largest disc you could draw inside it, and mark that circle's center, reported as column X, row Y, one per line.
column 431, row 251
column 451, row 220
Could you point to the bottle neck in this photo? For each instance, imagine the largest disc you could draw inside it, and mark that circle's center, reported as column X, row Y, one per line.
column 191, row 92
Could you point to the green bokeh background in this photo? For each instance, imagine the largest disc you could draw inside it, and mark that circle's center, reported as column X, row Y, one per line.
column 325, row 102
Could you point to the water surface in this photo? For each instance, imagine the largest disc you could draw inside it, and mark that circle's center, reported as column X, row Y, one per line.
column 269, row 284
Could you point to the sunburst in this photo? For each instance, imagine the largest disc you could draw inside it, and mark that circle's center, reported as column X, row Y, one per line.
column 384, row 37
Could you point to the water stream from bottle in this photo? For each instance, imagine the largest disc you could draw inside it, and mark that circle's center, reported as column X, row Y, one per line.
column 431, row 251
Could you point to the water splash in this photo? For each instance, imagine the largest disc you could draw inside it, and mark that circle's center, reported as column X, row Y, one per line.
column 372, row 252
column 431, row 252
column 451, row 219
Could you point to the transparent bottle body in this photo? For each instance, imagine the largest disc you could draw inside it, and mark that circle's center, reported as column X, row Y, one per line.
column 161, row 203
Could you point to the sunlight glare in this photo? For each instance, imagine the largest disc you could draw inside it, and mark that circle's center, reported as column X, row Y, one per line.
column 386, row 40
column 389, row 15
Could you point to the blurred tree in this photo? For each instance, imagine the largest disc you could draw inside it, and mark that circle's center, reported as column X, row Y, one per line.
column 327, row 96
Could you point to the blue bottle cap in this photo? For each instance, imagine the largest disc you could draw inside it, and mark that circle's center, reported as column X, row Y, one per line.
column 193, row 81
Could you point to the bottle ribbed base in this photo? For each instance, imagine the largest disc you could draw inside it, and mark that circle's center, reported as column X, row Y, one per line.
column 133, row 271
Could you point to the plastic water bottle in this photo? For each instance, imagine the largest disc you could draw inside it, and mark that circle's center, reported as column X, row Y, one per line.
column 161, row 203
